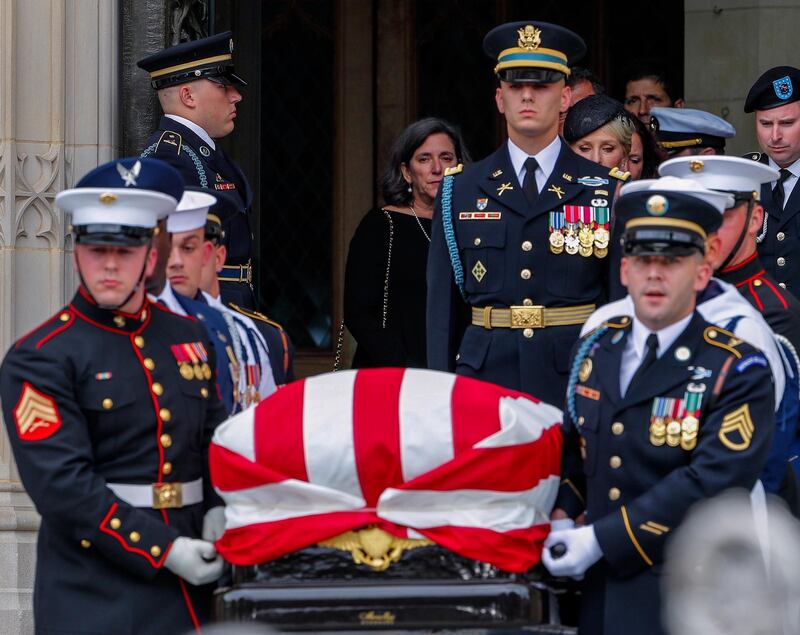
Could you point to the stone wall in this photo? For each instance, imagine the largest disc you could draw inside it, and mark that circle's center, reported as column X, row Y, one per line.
column 58, row 117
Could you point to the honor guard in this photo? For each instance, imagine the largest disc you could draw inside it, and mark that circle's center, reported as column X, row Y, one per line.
column 520, row 239
column 190, row 253
column 738, row 264
column 774, row 100
column 663, row 410
column 686, row 131
column 198, row 91
column 280, row 348
column 110, row 436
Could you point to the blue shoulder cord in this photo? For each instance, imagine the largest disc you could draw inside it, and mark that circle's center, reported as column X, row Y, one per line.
column 198, row 165
column 449, row 234
column 581, row 354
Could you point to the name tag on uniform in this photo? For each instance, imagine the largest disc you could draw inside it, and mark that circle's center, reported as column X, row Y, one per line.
column 480, row 215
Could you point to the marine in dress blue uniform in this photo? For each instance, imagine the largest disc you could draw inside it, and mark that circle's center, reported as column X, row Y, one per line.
column 742, row 267
column 693, row 418
column 110, row 431
column 779, row 239
column 518, row 255
column 185, row 145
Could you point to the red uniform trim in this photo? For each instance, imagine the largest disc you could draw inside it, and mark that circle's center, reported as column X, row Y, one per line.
column 165, row 309
column 34, row 330
column 121, row 540
column 60, row 329
column 97, row 324
column 759, row 304
column 777, row 293
column 739, row 265
column 755, row 276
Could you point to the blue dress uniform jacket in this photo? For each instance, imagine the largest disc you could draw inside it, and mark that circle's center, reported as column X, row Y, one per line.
column 280, row 347
column 206, row 167
column 699, row 421
column 503, row 248
column 780, row 244
column 95, row 397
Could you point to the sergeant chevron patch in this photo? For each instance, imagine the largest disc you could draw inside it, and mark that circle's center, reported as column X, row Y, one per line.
column 737, row 424
column 36, row 415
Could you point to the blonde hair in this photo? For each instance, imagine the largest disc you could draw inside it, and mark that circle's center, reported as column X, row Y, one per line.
column 622, row 127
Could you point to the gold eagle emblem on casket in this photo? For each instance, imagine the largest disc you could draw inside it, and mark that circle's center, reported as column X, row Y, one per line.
column 373, row 546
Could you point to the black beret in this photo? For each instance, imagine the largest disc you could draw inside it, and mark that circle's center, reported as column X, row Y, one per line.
column 207, row 58
column 774, row 88
column 591, row 113
column 534, row 52
column 665, row 222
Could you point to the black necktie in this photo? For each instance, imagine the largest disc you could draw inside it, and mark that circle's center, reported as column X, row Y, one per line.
column 778, row 193
column 529, row 187
column 649, row 359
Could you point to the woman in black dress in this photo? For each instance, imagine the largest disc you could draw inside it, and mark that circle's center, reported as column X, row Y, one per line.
column 384, row 288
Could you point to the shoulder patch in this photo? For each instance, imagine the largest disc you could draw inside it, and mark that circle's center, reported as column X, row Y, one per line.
column 754, row 359
column 255, row 315
column 454, row 169
column 616, row 173
column 36, row 415
column 723, row 339
column 737, row 429
column 171, row 139
column 619, row 322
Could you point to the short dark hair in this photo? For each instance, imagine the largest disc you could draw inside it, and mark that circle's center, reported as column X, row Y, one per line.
column 393, row 186
column 651, row 70
column 580, row 74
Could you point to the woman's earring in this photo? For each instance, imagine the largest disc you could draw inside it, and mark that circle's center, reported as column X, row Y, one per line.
column 409, row 188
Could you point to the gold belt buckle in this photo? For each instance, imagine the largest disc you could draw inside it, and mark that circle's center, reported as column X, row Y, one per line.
column 249, row 271
column 167, row 495
column 527, row 317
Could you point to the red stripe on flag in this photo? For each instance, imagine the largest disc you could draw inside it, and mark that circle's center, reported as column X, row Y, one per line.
column 262, row 542
column 508, row 469
column 377, row 445
column 278, row 423
column 231, row 471
column 475, row 412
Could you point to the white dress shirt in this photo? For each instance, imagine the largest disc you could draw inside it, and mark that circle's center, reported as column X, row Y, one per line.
column 191, row 125
column 636, row 347
column 546, row 159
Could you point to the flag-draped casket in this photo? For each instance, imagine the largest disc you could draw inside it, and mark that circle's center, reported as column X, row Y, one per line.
column 419, row 454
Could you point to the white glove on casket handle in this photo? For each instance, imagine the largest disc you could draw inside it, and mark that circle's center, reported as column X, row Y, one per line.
column 196, row 561
column 582, row 551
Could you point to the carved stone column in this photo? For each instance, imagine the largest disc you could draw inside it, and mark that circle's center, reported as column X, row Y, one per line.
column 58, row 116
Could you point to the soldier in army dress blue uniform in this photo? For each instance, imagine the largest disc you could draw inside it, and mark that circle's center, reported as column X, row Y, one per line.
column 518, row 255
column 110, row 406
column 198, row 91
column 663, row 410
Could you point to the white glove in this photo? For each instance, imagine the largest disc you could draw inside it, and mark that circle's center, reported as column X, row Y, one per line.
column 561, row 524
column 583, row 551
column 196, row 561
column 214, row 523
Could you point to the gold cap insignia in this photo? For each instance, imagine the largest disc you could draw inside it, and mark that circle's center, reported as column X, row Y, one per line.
column 696, row 165
column 108, row 198
column 529, row 37
column 657, row 205
column 737, row 424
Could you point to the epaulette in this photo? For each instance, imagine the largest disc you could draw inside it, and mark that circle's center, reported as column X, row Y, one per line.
column 46, row 331
column 618, row 174
column 171, row 138
column 454, row 170
column 619, row 322
column 753, row 156
column 723, row 339
column 255, row 315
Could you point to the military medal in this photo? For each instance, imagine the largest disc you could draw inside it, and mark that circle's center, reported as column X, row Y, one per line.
column 673, row 433
column 658, row 429
column 186, row 371
column 189, row 357
column 601, row 233
column 206, row 371
column 586, row 234
column 690, row 422
column 571, row 241
column 556, row 237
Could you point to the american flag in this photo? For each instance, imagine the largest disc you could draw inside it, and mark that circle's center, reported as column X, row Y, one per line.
column 465, row 463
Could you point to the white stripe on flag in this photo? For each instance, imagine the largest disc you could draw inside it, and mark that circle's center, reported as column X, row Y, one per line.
column 426, row 427
column 328, row 423
column 278, row 501
column 236, row 434
column 483, row 509
column 521, row 421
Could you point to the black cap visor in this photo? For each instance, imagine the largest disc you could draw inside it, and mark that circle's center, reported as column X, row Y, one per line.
column 219, row 74
column 110, row 234
column 661, row 242
column 530, row 76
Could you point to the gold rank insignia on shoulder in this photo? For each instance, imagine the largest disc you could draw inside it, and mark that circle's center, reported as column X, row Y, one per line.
column 36, row 415
column 171, row 138
column 454, row 169
column 617, row 322
column 737, row 429
column 616, row 173
column 722, row 339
